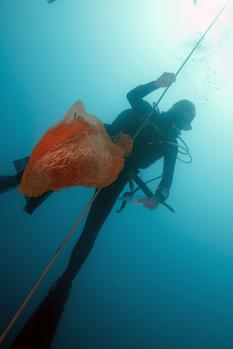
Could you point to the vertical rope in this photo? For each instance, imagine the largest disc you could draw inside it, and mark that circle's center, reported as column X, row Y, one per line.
column 147, row 118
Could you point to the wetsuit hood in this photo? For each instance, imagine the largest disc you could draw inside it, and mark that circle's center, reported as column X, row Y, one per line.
column 182, row 114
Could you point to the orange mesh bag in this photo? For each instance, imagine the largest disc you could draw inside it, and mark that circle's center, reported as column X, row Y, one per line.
column 76, row 151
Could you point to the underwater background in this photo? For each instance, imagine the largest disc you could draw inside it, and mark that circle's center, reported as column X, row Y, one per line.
column 154, row 279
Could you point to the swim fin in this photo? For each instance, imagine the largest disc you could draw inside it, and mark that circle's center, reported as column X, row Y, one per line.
column 33, row 203
column 20, row 164
column 8, row 182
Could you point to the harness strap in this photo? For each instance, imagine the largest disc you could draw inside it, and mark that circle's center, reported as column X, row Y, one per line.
column 141, row 185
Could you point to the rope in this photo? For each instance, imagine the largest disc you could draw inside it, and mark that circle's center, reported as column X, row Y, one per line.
column 47, row 268
column 155, row 105
column 53, row 259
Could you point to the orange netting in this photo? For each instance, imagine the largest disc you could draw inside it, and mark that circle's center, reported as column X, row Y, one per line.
column 76, row 151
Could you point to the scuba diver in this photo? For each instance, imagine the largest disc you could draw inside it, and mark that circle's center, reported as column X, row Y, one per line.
column 156, row 139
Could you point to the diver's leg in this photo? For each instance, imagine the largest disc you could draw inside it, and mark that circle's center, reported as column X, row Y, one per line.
column 99, row 211
column 40, row 329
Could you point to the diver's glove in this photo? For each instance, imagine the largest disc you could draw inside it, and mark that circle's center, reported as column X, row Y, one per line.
column 162, row 193
column 151, row 202
column 165, row 80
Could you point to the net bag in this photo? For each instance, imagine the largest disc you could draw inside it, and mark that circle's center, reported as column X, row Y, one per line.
column 75, row 152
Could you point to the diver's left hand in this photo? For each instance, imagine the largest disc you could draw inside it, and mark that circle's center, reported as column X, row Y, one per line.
column 151, row 203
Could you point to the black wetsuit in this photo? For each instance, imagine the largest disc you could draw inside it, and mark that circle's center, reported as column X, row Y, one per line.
column 149, row 146
column 146, row 150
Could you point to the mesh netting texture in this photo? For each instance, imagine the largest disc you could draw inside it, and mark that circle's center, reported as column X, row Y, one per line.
column 75, row 152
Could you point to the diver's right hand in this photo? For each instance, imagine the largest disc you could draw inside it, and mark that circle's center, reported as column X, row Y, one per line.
column 151, row 203
column 165, row 80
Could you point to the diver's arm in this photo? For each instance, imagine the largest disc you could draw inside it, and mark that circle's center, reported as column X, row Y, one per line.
column 162, row 191
column 136, row 95
column 168, row 171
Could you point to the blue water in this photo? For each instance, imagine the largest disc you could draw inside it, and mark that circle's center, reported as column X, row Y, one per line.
column 153, row 279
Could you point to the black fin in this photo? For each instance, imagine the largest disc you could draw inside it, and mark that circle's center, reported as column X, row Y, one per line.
column 33, row 203
column 40, row 329
column 21, row 164
column 8, row 182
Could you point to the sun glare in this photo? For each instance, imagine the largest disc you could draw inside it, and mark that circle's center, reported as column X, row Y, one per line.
column 206, row 11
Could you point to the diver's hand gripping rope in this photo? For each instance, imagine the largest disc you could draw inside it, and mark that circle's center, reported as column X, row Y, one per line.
column 155, row 105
